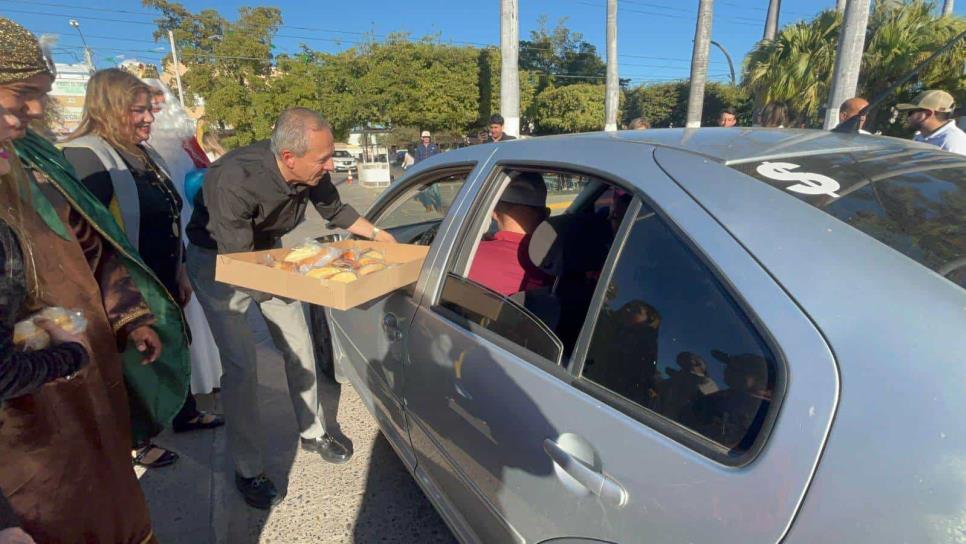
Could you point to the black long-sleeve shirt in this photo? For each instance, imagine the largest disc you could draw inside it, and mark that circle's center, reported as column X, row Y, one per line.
column 246, row 205
column 23, row 372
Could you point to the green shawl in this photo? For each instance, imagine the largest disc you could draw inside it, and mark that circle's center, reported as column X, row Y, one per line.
column 156, row 392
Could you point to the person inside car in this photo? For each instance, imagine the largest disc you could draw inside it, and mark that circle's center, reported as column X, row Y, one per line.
column 502, row 261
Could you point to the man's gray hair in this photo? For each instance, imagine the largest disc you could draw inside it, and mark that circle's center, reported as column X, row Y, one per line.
column 291, row 130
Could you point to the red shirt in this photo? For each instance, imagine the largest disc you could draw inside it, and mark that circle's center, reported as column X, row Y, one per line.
column 503, row 264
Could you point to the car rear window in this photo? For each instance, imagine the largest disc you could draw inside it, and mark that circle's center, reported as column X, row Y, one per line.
column 909, row 199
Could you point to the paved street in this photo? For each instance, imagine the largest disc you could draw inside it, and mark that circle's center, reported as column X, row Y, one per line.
column 372, row 498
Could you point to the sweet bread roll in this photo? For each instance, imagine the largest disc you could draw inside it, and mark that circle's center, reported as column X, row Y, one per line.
column 369, row 260
column 323, row 273
column 370, row 268
column 300, row 253
column 373, row 254
column 344, row 277
column 286, row 266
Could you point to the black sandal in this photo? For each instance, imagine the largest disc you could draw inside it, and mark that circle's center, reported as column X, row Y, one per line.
column 198, row 422
column 165, row 459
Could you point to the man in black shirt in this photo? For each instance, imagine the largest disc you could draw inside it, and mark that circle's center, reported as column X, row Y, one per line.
column 496, row 129
column 251, row 197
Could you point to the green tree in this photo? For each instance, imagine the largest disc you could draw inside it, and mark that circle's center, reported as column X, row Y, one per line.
column 573, row 108
column 560, row 56
column 665, row 104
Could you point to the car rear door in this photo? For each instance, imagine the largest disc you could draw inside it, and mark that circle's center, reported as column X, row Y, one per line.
column 525, row 449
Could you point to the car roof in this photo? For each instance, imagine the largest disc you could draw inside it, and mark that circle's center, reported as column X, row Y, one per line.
column 737, row 145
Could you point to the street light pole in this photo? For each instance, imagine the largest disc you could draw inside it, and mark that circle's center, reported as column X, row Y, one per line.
column 699, row 63
column 177, row 67
column 848, row 59
column 88, row 54
column 731, row 65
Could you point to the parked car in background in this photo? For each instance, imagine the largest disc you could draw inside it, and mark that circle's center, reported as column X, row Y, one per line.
column 749, row 335
column 343, row 161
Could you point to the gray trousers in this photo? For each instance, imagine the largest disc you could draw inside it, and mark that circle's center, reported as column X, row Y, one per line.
column 225, row 307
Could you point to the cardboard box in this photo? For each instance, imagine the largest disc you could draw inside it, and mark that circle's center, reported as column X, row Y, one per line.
column 247, row 270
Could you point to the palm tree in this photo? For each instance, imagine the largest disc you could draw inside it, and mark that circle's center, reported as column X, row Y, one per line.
column 699, row 63
column 796, row 67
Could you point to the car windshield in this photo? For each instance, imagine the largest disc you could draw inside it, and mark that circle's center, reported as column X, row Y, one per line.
column 341, row 154
column 913, row 200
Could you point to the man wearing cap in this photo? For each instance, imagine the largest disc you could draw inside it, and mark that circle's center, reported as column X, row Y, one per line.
column 426, row 147
column 931, row 115
column 502, row 262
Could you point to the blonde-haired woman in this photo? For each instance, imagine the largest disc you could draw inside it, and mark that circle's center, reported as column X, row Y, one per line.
column 110, row 155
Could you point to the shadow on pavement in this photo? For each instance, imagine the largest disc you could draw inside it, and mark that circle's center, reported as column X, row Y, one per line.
column 394, row 509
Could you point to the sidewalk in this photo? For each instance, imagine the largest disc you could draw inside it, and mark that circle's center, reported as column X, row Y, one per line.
column 372, row 498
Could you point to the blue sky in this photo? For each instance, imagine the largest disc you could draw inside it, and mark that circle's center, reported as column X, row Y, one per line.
column 654, row 36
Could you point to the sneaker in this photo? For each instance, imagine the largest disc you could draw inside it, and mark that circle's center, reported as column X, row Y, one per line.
column 328, row 448
column 259, row 492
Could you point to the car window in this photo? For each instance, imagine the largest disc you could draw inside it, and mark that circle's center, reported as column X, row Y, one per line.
column 477, row 308
column 546, row 265
column 671, row 340
column 429, row 203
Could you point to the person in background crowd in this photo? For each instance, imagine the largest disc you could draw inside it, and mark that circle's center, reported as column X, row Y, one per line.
column 774, row 114
column 851, row 108
column 212, row 146
column 65, row 447
column 429, row 197
column 496, row 129
column 109, row 154
column 171, row 135
column 931, row 116
column 252, row 197
column 728, row 118
column 639, row 123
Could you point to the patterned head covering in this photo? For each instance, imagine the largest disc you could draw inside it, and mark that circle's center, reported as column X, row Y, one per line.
column 21, row 55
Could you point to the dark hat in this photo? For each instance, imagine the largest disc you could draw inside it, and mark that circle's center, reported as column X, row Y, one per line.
column 526, row 189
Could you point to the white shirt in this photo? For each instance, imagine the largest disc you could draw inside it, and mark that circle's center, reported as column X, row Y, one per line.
column 949, row 137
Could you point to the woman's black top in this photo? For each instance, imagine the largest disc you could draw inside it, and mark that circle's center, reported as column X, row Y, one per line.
column 160, row 208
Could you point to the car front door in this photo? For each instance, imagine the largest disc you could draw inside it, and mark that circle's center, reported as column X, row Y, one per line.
column 693, row 408
column 368, row 342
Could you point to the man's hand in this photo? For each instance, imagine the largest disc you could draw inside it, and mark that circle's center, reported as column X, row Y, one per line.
column 383, row 236
column 148, row 343
column 184, row 287
column 15, row 535
column 60, row 336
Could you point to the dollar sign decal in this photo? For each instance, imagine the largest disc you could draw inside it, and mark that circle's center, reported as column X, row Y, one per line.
column 809, row 183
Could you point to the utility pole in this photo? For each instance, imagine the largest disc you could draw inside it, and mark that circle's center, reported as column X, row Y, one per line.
column 612, row 97
column 699, row 63
column 840, row 6
column 177, row 67
column 848, row 59
column 88, row 54
column 509, row 71
column 771, row 20
column 947, row 8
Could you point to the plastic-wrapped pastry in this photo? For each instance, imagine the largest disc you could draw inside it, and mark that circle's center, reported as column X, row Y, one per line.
column 286, row 266
column 370, row 268
column 344, row 277
column 306, row 250
column 28, row 336
column 373, row 254
column 369, row 260
column 323, row 273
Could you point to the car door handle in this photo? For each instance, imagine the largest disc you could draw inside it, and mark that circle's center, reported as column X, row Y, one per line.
column 391, row 327
column 598, row 483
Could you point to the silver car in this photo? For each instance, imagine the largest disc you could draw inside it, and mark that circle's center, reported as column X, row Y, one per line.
column 743, row 335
